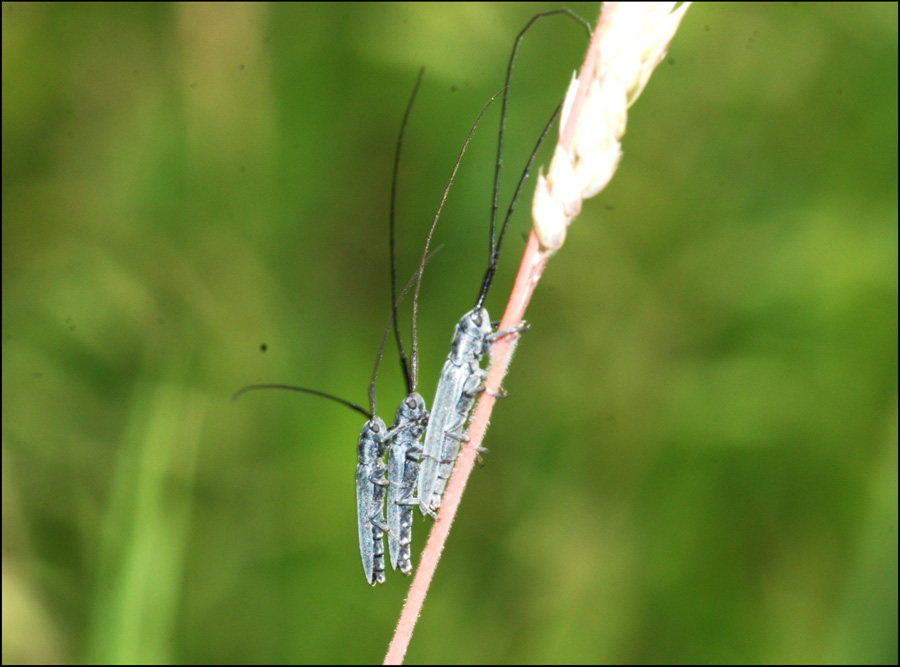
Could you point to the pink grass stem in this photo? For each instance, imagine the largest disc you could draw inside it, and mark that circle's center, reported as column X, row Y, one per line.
column 531, row 268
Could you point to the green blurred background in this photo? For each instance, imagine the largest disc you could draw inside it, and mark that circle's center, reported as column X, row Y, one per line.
column 698, row 458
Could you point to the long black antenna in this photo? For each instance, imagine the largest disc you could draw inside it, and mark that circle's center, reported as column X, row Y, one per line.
column 254, row 387
column 410, row 382
column 495, row 256
column 393, row 318
column 415, row 368
column 395, row 301
column 410, row 369
column 338, row 399
column 509, row 69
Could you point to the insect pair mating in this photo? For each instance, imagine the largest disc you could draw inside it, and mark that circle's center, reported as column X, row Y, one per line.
column 416, row 473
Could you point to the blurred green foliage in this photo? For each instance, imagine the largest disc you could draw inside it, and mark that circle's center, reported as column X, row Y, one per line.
column 698, row 461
